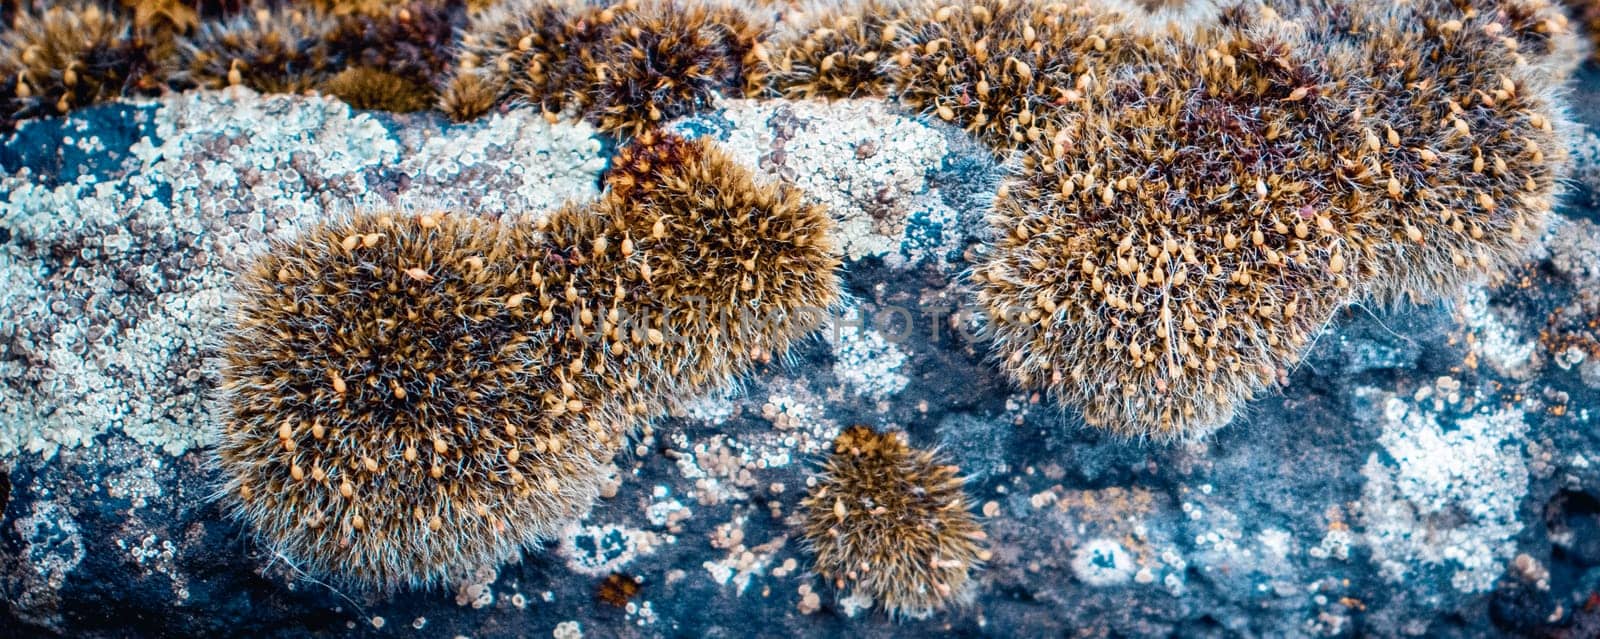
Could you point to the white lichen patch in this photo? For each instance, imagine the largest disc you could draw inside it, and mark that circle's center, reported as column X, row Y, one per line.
column 1335, row 544
column 714, row 407
column 798, row 416
column 1449, row 496
column 857, row 602
column 664, row 510
column 1502, row 346
column 1574, row 247
column 1224, row 546
column 742, row 564
column 156, row 555
column 117, row 284
column 1586, row 163
column 476, row 588
column 568, row 630
column 642, row 613
column 721, row 472
column 863, row 359
column 137, row 484
column 1102, row 562
column 727, row 467
column 51, row 542
column 864, row 159
column 507, row 164
column 604, row 549
column 52, row 547
column 1275, row 543
column 737, row 568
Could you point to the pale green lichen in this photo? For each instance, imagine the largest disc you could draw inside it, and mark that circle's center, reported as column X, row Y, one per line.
column 864, row 358
column 1444, row 498
column 867, row 160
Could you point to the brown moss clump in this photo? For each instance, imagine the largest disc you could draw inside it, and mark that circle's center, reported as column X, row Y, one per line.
column 412, row 41
column 666, row 59
column 650, row 295
column 82, row 53
column 469, row 96
column 997, row 68
column 71, row 55
column 738, row 271
column 376, row 89
column 528, row 48
column 893, row 523
column 1197, row 212
column 411, row 396
column 624, row 66
column 280, row 50
column 390, row 419
column 1170, row 248
column 1543, row 32
column 1586, row 13
column 829, row 50
column 1539, row 32
column 297, row 47
column 349, row 7
column 1457, row 148
column 169, row 17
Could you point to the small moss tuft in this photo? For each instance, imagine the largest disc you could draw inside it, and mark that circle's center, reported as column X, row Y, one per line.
column 998, row 68
column 1586, row 13
column 413, row 41
column 625, row 66
column 469, row 96
column 369, row 88
column 167, row 17
column 893, row 523
column 72, row 55
column 527, row 50
column 666, row 59
column 829, row 50
column 745, row 268
column 281, row 50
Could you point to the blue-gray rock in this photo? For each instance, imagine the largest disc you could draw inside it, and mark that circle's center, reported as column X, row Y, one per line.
column 1426, row 471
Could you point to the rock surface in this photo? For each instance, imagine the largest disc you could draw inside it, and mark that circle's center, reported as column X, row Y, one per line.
column 1427, row 471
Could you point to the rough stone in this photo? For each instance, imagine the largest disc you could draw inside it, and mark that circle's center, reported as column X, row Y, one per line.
column 1426, row 471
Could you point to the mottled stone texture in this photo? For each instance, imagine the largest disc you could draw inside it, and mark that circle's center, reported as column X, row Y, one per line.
column 1426, row 471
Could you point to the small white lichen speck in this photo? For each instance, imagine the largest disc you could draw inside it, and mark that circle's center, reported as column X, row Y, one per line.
column 601, row 550
column 1102, row 562
column 476, row 588
column 659, row 513
column 1502, row 346
column 739, row 567
column 857, row 602
column 52, row 547
column 1449, row 498
column 714, row 407
column 51, row 542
